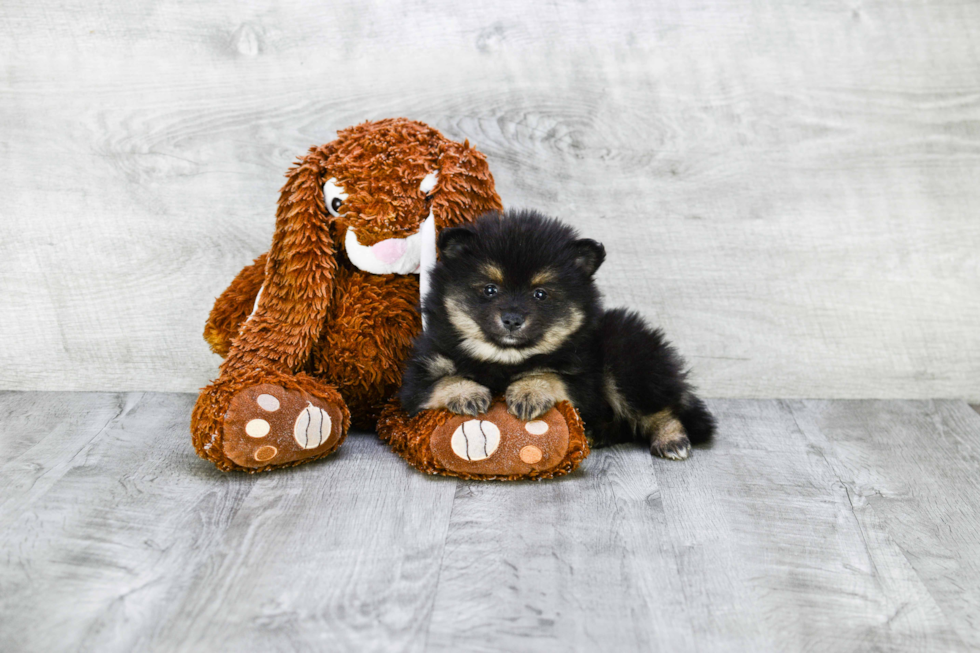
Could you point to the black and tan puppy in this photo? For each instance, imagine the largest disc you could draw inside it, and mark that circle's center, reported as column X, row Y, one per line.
column 513, row 310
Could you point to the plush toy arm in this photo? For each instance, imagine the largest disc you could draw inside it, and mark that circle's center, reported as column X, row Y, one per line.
column 234, row 306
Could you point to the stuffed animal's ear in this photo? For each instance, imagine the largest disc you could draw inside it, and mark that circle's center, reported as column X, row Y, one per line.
column 465, row 187
column 299, row 275
column 455, row 242
column 588, row 255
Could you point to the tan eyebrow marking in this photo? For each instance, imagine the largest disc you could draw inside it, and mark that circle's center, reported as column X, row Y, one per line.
column 543, row 277
column 495, row 273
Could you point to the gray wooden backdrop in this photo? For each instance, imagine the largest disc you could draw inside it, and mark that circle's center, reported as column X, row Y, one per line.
column 790, row 189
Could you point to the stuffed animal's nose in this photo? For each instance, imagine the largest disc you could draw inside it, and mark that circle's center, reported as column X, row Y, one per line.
column 389, row 251
column 512, row 321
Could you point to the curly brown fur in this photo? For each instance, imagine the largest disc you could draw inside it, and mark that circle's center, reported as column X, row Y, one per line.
column 317, row 312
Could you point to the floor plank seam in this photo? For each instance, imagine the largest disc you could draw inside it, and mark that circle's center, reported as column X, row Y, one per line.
column 102, row 429
column 7, row 519
column 442, row 564
column 840, row 481
column 868, row 549
column 676, row 560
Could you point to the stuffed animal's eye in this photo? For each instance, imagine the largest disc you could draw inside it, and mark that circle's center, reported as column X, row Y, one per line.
column 541, row 294
column 333, row 197
column 490, row 290
column 428, row 184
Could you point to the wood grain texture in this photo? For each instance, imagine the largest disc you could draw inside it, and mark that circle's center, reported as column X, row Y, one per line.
column 912, row 471
column 789, row 189
column 130, row 542
column 582, row 563
column 808, row 526
column 772, row 554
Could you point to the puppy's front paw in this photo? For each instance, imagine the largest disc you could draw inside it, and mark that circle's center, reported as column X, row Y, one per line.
column 531, row 397
column 460, row 396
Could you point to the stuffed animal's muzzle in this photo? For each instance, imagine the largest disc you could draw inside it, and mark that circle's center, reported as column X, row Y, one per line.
column 390, row 256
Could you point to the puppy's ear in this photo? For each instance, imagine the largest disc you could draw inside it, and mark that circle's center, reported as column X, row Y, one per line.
column 455, row 242
column 588, row 254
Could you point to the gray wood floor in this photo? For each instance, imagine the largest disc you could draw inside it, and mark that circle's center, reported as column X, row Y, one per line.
column 810, row 525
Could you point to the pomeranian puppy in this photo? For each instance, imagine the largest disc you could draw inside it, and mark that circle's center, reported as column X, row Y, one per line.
column 513, row 310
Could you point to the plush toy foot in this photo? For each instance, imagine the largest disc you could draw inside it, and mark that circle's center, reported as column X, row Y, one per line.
column 495, row 445
column 269, row 420
column 268, row 425
column 499, row 444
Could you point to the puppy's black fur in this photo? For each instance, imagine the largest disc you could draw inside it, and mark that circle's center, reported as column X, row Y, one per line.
column 513, row 310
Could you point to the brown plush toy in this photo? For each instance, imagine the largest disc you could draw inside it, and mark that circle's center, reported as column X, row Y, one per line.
column 315, row 332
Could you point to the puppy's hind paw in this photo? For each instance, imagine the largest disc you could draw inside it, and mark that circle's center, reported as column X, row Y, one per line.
column 674, row 450
column 667, row 436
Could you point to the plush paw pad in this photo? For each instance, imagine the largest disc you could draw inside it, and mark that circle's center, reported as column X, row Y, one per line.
column 312, row 427
column 497, row 443
column 475, row 439
column 269, row 425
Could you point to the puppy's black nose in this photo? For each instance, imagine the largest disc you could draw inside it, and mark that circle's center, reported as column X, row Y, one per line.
column 512, row 321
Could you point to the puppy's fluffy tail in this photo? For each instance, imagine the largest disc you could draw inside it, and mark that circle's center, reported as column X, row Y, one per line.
column 695, row 418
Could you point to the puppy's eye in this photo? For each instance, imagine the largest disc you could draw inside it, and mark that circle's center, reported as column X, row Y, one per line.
column 490, row 290
column 541, row 294
column 333, row 197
